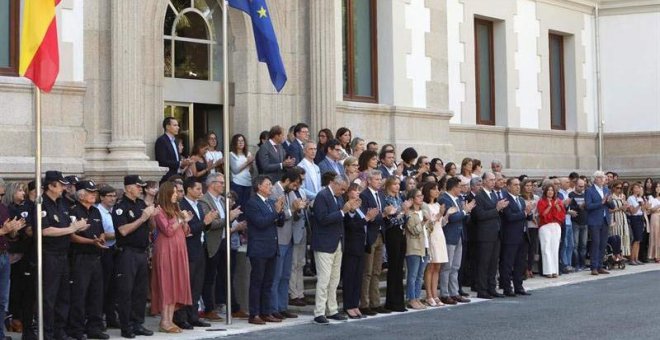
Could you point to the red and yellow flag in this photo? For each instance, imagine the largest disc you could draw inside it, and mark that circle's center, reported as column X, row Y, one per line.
column 39, row 59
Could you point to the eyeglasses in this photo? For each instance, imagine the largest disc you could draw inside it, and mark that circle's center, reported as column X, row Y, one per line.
column 617, row 187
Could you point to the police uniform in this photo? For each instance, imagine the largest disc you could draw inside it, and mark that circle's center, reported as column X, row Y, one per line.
column 86, row 273
column 131, row 271
column 22, row 292
column 55, row 263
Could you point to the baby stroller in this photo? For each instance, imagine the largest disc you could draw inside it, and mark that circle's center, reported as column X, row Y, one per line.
column 610, row 260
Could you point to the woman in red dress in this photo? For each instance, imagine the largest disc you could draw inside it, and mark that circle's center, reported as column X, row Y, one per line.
column 170, row 282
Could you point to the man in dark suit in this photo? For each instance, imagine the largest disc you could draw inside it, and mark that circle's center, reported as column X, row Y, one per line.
column 331, row 160
column 387, row 165
column 327, row 239
column 373, row 260
column 263, row 216
column 598, row 202
column 486, row 215
column 187, row 317
column 296, row 147
column 272, row 159
column 458, row 216
column 470, row 255
column 167, row 152
column 514, row 225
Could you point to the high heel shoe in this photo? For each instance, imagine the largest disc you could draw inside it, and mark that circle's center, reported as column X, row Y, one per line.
column 431, row 302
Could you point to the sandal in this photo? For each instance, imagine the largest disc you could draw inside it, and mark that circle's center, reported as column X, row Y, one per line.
column 431, row 302
column 171, row 330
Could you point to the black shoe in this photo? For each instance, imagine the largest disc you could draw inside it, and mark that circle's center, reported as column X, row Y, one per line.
column 382, row 310
column 496, row 294
column 97, row 335
column 368, row 311
column 112, row 323
column 463, row 294
column 184, row 325
column 399, row 310
column 140, row 330
column 338, row 317
column 128, row 334
column 200, row 323
column 523, row 292
column 321, row 320
column 484, row 296
column 509, row 293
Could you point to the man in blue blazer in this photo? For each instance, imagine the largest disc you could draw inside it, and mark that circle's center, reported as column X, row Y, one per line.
column 295, row 149
column 167, row 151
column 187, row 317
column 327, row 243
column 597, row 201
column 331, row 160
column 263, row 215
column 514, row 224
column 458, row 217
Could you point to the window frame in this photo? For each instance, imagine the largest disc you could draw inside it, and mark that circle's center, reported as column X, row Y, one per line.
column 491, row 62
column 349, row 93
column 562, row 80
column 14, row 40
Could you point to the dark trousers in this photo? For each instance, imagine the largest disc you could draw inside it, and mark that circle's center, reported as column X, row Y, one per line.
column 261, row 283
column 644, row 247
column 352, row 267
column 189, row 313
column 512, row 266
column 242, row 192
column 489, row 253
column 131, row 280
column 395, row 244
column 23, row 291
column 86, row 295
column 56, row 295
column 108, row 265
column 532, row 247
column 215, row 279
column 598, row 244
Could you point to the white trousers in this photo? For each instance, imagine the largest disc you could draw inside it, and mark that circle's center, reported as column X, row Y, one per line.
column 549, row 236
column 328, row 269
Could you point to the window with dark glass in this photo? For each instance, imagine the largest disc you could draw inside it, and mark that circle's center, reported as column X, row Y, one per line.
column 484, row 71
column 360, row 70
column 9, row 21
column 190, row 48
column 557, row 88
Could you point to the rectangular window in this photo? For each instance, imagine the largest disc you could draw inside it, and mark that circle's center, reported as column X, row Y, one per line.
column 557, row 88
column 9, row 13
column 484, row 70
column 360, row 70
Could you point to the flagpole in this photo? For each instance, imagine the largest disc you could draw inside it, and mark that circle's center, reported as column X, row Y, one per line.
column 37, row 175
column 225, row 138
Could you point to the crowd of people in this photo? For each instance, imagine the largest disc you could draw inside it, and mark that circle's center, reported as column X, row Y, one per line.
column 339, row 208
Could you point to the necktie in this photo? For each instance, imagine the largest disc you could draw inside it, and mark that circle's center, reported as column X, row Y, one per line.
column 519, row 204
column 499, row 195
column 378, row 202
column 268, row 204
column 493, row 197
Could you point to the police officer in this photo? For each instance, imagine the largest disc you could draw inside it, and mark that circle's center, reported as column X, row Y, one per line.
column 131, row 221
column 57, row 228
column 70, row 191
column 86, row 270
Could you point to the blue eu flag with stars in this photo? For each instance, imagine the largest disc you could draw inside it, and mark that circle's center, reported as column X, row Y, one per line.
column 268, row 50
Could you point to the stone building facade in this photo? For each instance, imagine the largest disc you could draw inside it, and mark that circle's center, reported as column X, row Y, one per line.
column 120, row 73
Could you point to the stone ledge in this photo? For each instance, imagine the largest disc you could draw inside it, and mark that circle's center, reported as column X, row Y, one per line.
column 24, row 85
column 391, row 110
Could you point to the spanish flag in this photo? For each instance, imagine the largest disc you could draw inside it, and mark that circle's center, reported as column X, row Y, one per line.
column 39, row 59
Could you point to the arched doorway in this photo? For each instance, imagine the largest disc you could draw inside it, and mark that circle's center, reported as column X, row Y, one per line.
column 192, row 72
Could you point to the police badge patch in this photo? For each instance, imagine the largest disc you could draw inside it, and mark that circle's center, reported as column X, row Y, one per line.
column 130, row 213
column 44, row 213
column 119, row 212
column 24, row 214
column 57, row 219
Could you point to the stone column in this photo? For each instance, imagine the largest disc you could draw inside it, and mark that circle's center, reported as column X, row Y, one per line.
column 127, row 90
column 322, row 63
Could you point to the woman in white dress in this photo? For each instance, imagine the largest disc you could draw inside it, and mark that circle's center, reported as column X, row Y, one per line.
column 213, row 155
column 654, row 225
column 434, row 213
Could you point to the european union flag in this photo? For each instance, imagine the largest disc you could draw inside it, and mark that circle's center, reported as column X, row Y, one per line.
column 268, row 50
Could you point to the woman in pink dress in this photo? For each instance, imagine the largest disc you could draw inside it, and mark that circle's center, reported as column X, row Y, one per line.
column 170, row 282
